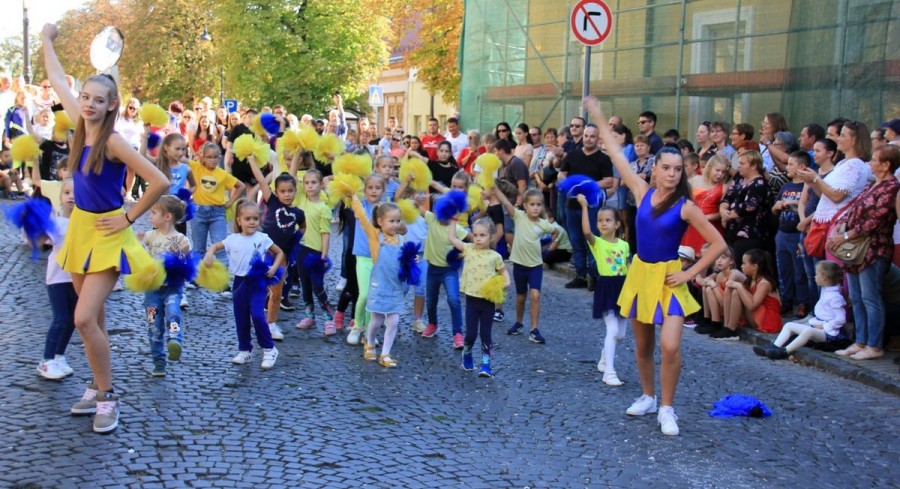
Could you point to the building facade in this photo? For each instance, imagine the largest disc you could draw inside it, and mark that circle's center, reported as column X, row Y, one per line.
column 687, row 60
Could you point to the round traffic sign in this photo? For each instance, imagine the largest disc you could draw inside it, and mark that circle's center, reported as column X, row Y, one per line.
column 591, row 21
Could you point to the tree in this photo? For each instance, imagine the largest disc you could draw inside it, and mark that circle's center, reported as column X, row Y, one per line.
column 436, row 56
column 12, row 54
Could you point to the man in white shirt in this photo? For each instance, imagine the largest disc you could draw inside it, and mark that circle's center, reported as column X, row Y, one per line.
column 458, row 140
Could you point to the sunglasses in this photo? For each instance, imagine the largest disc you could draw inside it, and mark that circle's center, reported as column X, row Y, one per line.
column 45, row 87
column 643, row 122
column 502, row 130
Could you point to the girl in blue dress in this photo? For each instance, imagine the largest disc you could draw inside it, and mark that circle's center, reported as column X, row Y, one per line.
column 100, row 243
column 655, row 290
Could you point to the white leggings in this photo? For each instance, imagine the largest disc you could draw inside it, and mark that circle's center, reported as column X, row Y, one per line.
column 390, row 322
column 615, row 332
column 805, row 333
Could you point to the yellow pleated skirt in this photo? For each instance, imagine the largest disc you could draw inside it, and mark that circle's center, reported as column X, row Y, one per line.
column 646, row 297
column 87, row 250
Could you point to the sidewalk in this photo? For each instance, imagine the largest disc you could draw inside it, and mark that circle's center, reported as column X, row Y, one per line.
column 881, row 374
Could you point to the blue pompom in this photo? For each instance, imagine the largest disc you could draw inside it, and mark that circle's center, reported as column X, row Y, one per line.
column 574, row 185
column 153, row 141
column 451, row 204
column 275, row 279
column 409, row 268
column 294, row 253
column 739, row 405
column 454, row 259
column 317, row 267
column 546, row 239
column 268, row 121
column 35, row 218
column 190, row 208
column 180, row 269
column 259, row 270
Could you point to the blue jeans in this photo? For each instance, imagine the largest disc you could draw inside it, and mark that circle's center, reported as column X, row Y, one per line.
column 791, row 275
column 163, row 308
column 449, row 278
column 868, row 303
column 580, row 254
column 208, row 221
column 561, row 208
column 62, row 302
column 809, row 266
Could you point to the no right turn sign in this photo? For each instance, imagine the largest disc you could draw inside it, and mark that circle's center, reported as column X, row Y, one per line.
column 591, row 21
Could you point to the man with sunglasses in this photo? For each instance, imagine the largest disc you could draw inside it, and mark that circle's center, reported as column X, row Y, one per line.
column 647, row 127
column 576, row 129
column 45, row 98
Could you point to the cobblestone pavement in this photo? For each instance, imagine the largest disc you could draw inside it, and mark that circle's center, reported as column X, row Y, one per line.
column 323, row 417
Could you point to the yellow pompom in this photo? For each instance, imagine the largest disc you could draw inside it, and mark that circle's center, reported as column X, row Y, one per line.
column 343, row 186
column 329, row 144
column 420, row 171
column 146, row 280
column 493, row 290
column 291, row 141
column 261, row 152
column 476, row 202
column 353, row 164
column 257, row 128
column 408, row 210
column 489, row 164
column 308, row 137
column 25, row 148
column 154, row 115
column 244, row 146
column 213, row 277
column 62, row 124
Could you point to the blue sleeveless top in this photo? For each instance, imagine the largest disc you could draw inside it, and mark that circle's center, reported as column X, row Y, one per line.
column 659, row 237
column 99, row 193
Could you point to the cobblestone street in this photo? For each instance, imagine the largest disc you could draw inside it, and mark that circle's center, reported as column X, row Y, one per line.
column 323, row 417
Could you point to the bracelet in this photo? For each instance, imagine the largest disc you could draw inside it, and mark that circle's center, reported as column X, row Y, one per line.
column 127, row 219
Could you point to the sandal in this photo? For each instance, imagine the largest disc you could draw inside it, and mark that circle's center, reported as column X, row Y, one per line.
column 369, row 353
column 387, row 361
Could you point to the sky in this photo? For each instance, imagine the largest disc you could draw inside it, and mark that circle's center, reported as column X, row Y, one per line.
column 40, row 12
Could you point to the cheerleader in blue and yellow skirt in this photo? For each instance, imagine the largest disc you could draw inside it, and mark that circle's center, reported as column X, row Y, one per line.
column 655, row 290
column 100, row 243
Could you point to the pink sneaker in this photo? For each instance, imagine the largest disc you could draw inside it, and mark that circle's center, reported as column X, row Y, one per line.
column 307, row 323
column 330, row 328
column 430, row 331
column 458, row 341
column 338, row 322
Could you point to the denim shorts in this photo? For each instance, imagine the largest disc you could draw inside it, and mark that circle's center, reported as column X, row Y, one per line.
column 527, row 278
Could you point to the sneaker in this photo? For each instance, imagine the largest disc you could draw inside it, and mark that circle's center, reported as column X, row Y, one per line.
column 226, row 294
column 159, row 369
column 276, row 332
column 468, row 363
column 184, row 302
column 308, row 322
column 577, row 283
column 369, row 353
column 341, row 285
column 610, row 378
column 329, row 327
column 515, row 329
column 50, row 370
column 338, row 321
column 241, row 358
column 601, row 365
column 430, row 331
column 485, row 370
column 498, row 316
column 63, row 364
column 536, row 337
column 690, row 324
column 777, row 353
column 667, row 421
column 725, row 334
column 88, row 402
column 418, row 326
column 353, row 337
column 190, row 285
column 642, row 405
column 286, row 305
column 458, row 341
column 294, row 293
column 763, row 350
column 707, row 328
column 107, row 417
column 269, row 357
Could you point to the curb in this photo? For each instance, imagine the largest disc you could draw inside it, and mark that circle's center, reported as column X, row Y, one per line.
column 810, row 357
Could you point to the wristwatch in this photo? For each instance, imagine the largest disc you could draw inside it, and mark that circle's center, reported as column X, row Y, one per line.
column 846, row 236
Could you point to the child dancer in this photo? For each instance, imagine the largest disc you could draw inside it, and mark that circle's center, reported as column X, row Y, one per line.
column 829, row 317
column 417, row 233
column 163, row 305
column 751, row 298
column 611, row 255
column 386, row 297
column 282, row 220
column 208, row 224
column 714, row 293
column 384, row 166
column 481, row 263
column 528, row 265
column 171, row 152
column 374, row 190
column 59, row 288
column 100, row 242
column 249, row 299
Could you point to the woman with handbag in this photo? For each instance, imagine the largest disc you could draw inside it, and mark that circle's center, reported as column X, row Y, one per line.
column 863, row 242
column 848, row 179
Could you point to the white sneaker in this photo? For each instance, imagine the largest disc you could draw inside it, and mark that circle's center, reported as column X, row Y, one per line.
column 601, row 365
column 667, row 420
column 418, row 326
column 63, row 364
column 190, row 286
column 269, row 357
column 241, row 358
column 342, row 283
column 353, row 337
column 275, row 329
column 226, row 294
column 642, row 405
column 49, row 369
column 610, row 378
column 184, row 302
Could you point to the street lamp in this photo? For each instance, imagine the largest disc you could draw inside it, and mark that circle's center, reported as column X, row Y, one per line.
column 25, row 41
column 206, row 37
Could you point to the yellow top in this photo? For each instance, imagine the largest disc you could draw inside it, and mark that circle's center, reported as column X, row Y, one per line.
column 211, row 184
column 437, row 243
column 526, row 248
column 480, row 265
column 318, row 222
